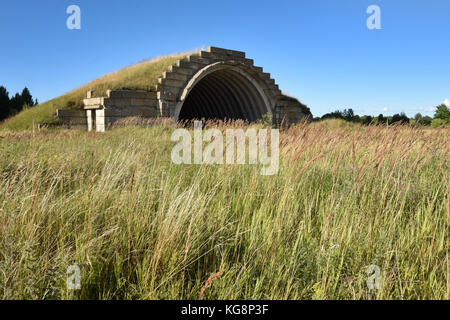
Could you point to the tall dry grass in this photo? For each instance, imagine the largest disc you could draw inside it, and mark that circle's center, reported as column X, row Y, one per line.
column 141, row 227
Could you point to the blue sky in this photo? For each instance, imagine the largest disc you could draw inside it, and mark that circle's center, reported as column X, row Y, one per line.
column 320, row 51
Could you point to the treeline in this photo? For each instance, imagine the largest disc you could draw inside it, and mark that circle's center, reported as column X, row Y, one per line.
column 15, row 104
column 441, row 118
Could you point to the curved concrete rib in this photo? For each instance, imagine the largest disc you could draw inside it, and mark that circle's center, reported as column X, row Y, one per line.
column 221, row 83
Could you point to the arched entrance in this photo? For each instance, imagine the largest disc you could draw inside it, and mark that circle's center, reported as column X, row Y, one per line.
column 221, row 91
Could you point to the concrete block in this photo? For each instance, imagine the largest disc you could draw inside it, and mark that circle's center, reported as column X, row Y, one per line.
column 93, row 101
column 223, row 57
column 142, row 102
column 227, row 52
column 217, row 56
column 200, row 60
column 181, row 70
column 273, row 92
column 132, row 112
column 175, row 76
column 258, row 69
column 127, row 94
column 265, row 75
column 167, row 93
column 172, row 83
column 189, row 65
column 165, row 108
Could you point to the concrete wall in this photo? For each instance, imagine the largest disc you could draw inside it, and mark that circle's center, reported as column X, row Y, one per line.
column 73, row 118
column 122, row 99
column 289, row 110
column 117, row 105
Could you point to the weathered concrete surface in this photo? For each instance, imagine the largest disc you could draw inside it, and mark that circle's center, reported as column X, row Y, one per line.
column 73, row 118
column 224, row 83
column 102, row 112
column 217, row 83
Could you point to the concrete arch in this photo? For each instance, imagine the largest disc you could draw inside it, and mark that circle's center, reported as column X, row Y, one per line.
column 231, row 89
column 222, row 83
column 217, row 83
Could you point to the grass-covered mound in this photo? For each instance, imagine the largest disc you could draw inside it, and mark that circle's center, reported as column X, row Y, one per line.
column 143, row 76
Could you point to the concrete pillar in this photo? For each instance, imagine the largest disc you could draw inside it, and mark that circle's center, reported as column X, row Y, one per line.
column 89, row 119
column 100, row 120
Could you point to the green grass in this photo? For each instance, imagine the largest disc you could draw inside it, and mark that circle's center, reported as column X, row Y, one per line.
column 143, row 76
column 144, row 228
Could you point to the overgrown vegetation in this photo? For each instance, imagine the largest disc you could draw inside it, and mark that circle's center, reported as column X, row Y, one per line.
column 140, row 227
column 142, row 76
column 441, row 118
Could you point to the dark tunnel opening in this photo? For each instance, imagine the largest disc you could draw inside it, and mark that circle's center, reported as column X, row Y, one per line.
column 223, row 94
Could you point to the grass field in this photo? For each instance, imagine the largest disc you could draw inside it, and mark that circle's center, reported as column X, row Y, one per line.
column 140, row 227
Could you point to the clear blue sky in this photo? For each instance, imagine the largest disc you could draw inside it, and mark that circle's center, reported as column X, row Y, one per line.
column 319, row 51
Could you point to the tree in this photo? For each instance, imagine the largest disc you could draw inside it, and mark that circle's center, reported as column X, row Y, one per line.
column 20, row 101
column 426, row 121
column 418, row 117
column 366, row 120
column 442, row 112
column 16, row 104
column 402, row 118
column 27, row 98
column 438, row 123
column 333, row 115
column 381, row 119
column 348, row 114
column 4, row 103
